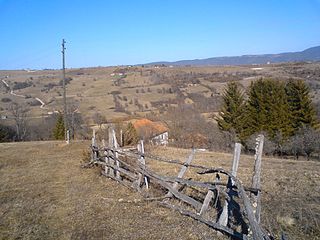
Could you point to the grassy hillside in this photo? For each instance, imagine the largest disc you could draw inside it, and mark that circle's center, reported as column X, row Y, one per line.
column 125, row 91
column 45, row 194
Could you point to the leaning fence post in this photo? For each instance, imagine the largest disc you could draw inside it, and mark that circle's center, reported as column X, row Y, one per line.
column 206, row 202
column 223, row 219
column 256, row 176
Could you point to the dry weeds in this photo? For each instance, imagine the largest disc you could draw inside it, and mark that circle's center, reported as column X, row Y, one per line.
column 45, row 194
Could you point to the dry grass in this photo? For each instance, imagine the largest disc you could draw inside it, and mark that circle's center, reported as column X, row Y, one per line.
column 45, row 194
column 290, row 189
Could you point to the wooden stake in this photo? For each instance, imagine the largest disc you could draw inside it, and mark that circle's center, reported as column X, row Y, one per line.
column 68, row 137
column 110, row 160
column 236, row 158
column 93, row 144
column 116, row 147
column 142, row 161
column 223, row 219
column 106, row 168
column 256, row 176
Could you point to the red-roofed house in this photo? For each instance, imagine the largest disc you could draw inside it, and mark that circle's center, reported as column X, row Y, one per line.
column 156, row 132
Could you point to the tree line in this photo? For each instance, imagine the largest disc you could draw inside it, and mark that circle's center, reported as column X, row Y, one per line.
column 283, row 110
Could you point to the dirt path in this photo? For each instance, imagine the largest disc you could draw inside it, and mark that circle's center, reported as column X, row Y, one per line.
column 22, row 96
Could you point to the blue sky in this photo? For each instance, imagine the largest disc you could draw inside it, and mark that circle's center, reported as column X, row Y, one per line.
column 116, row 32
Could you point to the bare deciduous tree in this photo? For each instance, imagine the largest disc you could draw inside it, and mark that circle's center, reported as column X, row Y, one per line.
column 99, row 119
column 306, row 142
column 20, row 119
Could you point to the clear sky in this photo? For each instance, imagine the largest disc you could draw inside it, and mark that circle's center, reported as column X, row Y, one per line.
column 122, row 32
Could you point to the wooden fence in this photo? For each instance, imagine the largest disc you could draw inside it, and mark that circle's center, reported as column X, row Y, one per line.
column 227, row 206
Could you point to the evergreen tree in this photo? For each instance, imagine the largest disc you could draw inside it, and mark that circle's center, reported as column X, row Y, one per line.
column 6, row 133
column 58, row 131
column 300, row 105
column 231, row 115
column 268, row 110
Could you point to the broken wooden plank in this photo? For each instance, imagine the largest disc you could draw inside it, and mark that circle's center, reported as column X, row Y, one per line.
column 209, row 197
column 183, row 197
column 183, row 170
column 257, row 231
column 229, row 231
column 206, row 202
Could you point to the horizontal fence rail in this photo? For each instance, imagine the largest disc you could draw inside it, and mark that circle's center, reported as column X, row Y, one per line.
column 225, row 206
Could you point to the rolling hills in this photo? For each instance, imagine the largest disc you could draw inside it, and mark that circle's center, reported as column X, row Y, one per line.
column 310, row 54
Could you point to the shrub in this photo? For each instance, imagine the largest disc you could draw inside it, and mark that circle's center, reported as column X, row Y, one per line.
column 6, row 100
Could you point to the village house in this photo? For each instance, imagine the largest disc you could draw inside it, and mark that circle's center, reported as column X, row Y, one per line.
column 155, row 132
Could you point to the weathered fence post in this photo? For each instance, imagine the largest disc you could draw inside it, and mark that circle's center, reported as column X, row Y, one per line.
column 68, row 136
column 223, row 219
column 93, row 145
column 106, row 159
column 256, row 176
column 182, row 171
column 110, row 159
column 209, row 197
column 143, row 162
column 115, row 150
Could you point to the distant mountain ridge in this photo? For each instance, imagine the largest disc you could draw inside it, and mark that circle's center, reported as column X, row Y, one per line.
column 310, row 54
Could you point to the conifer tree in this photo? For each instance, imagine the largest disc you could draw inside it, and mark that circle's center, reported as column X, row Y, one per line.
column 231, row 115
column 300, row 105
column 267, row 109
column 58, row 131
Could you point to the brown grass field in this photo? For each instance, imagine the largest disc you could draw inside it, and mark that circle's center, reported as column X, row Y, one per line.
column 45, row 194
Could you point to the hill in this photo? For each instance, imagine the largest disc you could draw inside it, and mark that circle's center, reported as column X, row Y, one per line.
column 113, row 93
column 310, row 54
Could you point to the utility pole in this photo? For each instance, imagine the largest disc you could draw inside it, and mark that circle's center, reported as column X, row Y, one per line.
column 64, row 94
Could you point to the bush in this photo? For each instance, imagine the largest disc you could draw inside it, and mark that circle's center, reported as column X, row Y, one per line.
column 21, row 85
column 6, row 100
